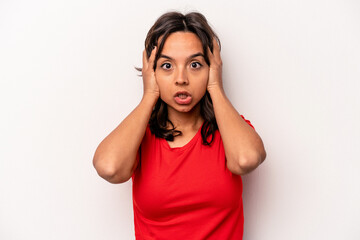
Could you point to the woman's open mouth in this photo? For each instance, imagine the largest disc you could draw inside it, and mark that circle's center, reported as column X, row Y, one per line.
column 182, row 97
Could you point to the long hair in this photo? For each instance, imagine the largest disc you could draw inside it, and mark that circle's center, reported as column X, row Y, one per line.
column 166, row 24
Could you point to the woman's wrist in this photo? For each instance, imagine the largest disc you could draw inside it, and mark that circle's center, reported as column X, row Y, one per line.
column 150, row 98
column 216, row 89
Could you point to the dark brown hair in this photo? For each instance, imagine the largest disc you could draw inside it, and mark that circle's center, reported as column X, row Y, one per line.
column 166, row 24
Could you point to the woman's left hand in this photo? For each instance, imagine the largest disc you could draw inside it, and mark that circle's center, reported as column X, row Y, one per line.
column 215, row 70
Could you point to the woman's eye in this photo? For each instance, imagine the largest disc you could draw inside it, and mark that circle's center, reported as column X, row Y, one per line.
column 166, row 66
column 196, row 65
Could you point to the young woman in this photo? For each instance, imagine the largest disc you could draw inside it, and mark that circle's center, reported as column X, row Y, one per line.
column 184, row 146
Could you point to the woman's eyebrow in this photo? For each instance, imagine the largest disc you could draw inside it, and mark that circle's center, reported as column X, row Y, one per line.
column 191, row 56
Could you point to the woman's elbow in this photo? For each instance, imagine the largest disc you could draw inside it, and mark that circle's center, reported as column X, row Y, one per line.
column 109, row 173
column 250, row 162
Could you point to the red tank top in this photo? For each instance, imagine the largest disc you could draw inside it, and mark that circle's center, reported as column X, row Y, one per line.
column 186, row 192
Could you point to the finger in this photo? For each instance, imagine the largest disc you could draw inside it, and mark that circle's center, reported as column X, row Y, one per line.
column 216, row 50
column 210, row 55
column 215, row 43
column 145, row 62
column 152, row 57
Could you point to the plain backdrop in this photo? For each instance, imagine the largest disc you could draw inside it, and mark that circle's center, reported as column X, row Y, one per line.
column 292, row 67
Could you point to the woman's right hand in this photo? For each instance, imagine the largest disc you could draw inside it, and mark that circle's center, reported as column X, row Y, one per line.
column 148, row 74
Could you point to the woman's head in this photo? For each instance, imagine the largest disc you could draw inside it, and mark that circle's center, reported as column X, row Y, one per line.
column 194, row 27
column 177, row 22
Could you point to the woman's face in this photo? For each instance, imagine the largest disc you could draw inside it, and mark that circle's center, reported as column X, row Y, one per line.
column 181, row 71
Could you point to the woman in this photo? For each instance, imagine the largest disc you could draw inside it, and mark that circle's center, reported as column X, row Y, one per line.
column 184, row 146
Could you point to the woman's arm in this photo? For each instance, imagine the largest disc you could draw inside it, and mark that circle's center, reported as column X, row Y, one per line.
column 115, row 157
column 244, row 149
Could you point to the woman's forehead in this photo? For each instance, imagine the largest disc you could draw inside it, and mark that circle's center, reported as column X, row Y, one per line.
column 182, row 44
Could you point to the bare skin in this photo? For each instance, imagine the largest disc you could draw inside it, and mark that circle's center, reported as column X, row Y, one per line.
column 179, row 70
column 244, row 149
column 116, row 156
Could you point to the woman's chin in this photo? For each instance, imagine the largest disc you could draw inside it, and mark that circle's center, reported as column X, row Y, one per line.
column 183, row 108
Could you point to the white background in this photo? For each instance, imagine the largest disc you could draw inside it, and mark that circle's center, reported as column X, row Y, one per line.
column 67, row 80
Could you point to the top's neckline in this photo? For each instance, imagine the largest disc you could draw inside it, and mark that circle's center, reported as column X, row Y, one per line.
column 187, row 145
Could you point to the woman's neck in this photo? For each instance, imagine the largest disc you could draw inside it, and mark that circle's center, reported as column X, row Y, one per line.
column 186, row 121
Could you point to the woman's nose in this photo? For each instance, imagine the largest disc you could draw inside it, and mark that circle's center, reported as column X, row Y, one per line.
column 181, row 77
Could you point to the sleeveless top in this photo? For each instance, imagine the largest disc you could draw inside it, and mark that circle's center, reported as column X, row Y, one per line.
column 186, row 192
